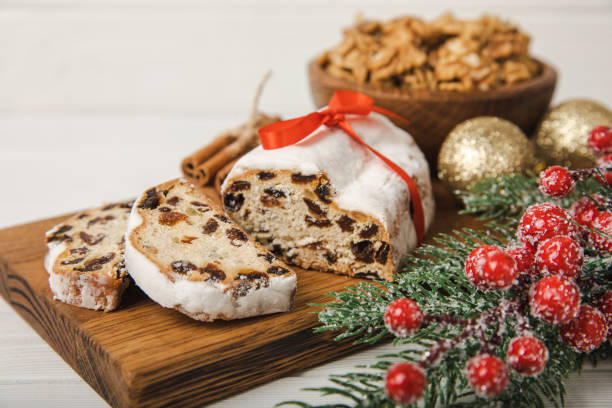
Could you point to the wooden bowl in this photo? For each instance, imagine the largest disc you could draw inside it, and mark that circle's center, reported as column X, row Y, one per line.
column 433, row 114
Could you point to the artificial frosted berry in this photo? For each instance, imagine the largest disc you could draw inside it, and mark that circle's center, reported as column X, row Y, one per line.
column 405, row 383
column 543, row 221
column 403, row 317
column 603, row 223
column 560, row 255
column 525, row 259
column 555, row 299
column 489, row 267
column 600, row 140
column 556, row 181
column 487, row 374
column 584, row 210
column 605, row 306
column 605, row 162
column 586, row 331
column 527, row 355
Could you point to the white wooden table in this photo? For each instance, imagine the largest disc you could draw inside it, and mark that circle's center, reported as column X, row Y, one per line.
column 101, row 98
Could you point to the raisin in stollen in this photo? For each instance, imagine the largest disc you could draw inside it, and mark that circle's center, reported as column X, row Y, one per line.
column 85, row 258
column 185, row 254
column 326, row 203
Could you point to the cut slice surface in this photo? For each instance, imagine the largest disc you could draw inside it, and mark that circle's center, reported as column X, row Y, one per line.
column 86, row 257
column 186, row 254
column 307, row 228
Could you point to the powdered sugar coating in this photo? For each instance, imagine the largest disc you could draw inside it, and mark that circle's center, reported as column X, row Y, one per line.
column 362, row 181
column 542, row 221
column 85, row 258
column 555, row 299
column 586, row 331
column 80, row 290
column 527, row 355
column 85, row 291
column 203, row 300
column 560, row 255
column 54, row 249
column 487, row 374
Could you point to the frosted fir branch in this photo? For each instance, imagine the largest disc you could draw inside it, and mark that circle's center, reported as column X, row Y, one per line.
column 358, row 312
column 447, row 385
column 509, row 195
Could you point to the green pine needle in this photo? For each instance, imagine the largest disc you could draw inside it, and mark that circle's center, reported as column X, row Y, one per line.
column 433, row 277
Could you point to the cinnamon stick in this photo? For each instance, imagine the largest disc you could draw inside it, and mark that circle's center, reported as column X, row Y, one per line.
column 204, row 164
column 206, row 171
column 222, row 174
column 191, row 162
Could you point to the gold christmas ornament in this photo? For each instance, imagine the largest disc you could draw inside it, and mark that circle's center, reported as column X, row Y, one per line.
column 483, row 147
column 562, row 135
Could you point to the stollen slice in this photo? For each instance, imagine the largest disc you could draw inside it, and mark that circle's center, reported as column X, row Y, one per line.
column 185, row 254
column 85, row 258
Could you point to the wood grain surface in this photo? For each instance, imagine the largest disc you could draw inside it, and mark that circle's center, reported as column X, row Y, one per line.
column 114, row 108
column 145, row 355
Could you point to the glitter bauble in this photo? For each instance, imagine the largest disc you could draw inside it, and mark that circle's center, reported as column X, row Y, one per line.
column 483, row 147
column 562, row 135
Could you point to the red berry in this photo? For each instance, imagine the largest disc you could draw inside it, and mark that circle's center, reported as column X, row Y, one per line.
column 603, row 223
column 586, row 331
column 489, row 267
column 560, row 255
column 585, row 210
column 405, row 383
column 487, row 374
column 605, row 305
column 555, row 299
column 556, row 181
column 524, row 258
column 403, row 317
column 542, row 221
column 527, row 355
column 600, row 139
column 605, row 161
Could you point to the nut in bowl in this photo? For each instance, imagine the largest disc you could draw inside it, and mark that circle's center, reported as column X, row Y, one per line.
column 438, row 74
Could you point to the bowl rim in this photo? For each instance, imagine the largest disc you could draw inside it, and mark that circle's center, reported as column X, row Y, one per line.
column 547, row 78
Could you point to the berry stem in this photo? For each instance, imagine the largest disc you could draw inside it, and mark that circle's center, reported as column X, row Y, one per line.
column 598, row 172
column 476, row 327
column 446, row 319
column 442, row 346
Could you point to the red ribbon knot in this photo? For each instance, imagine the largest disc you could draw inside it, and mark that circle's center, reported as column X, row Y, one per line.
column 289, row 132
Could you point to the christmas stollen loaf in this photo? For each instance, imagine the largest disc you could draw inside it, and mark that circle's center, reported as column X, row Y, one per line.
column 185, row 254
column 327, row 203
column 85, row 258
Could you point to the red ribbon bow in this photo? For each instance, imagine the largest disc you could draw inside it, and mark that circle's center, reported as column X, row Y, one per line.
column 289, row 132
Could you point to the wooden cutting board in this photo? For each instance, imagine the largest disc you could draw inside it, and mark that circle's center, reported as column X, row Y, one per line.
column 145, row 355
